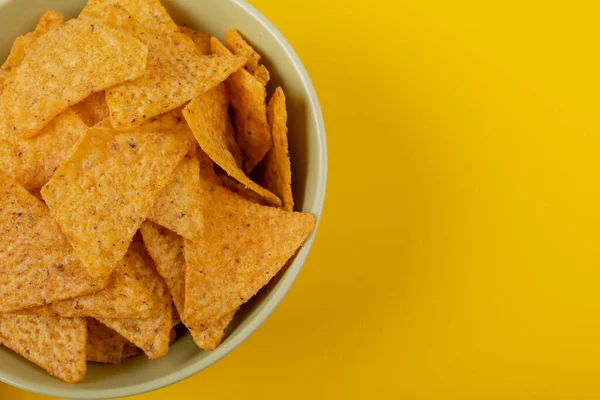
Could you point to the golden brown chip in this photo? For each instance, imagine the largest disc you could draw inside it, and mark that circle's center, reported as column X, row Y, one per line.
column 250, row 112
column 103, row 344
column 103, row 192
column 50, row 20
column 201, row 39
column 152, row 334
column 207, row 117
column 276, row 171
column 63, row 67
column 56, row 344
column 150, row 13
column 178, row 207
column 232, row 145
column 92, row 109
column 238, row 46
column 229, row 269
column 125, row 297
column 176, row 73
column 166, row 249
column 38, row 265
column 32, row 162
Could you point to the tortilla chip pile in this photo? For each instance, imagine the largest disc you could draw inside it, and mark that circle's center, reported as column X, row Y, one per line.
column 145, row 182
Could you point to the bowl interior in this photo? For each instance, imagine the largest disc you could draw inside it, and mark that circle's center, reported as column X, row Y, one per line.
column 308, row 152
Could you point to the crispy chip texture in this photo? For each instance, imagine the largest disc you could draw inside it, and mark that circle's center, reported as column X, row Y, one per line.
column 250, row 112
column 131, row 350
column 92, row 109
column 31, row 162
column 178, row 205
column 150, row 13
column 125, row 297
column 103, row 192
column 276, row 170
column 50, row 20
column 166, row 249
column 36, row 193
column 38, row 265
column 207, row 117
column 103, row 344
column 236, row 187
column 201, row 39
column 152, row 334
column 63, row 67
column 176, row 73
column 228, row 269
column 56, row 344
column 238, row 45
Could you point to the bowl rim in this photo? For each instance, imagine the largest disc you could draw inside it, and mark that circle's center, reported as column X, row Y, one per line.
column 286, row 281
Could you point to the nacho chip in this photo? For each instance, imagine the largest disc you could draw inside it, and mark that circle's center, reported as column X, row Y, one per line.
column 276, row 171
column 207, row 117
column 150, row 13
column 50, row 20
column 103, row 344
column 176, row 73
column 178, row 207
column 238, row 46
column 92, row 109
column 125, row 297
column 166, row 249
column 32, row 162
column 229, row 269
column 38, row 264
column 151, row 335
column 232, row 145
column 103, row 192
column 63, row 67
column 201, row 39
column 56, row 344
column 250, row 112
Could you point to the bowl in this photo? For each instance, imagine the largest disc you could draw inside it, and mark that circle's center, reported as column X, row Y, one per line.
column 308, row 151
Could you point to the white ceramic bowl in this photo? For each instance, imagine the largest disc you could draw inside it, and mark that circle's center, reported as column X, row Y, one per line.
column 308, row 150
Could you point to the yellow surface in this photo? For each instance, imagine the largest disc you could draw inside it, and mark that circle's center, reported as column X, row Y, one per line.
column 459, row 254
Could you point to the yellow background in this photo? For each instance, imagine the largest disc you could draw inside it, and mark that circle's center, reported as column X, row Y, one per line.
column 458, row 256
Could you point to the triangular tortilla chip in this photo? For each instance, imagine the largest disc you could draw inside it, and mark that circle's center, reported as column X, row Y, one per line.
column 38, row 266
column 56, row 344
column 276, row 171
column 152, row 334
column 63, row 67
column 178, row 205
column 238, row 46
column 176, row 73
column 201, row 39
column 150, row 13
column 166, row 249
column 250, row 112
column 50, row 20
column 103, row 344
column 104, row 191
column 227, row 270
column 125, row 297
column 32, row 162
column 92, row 109
column 207, row 117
